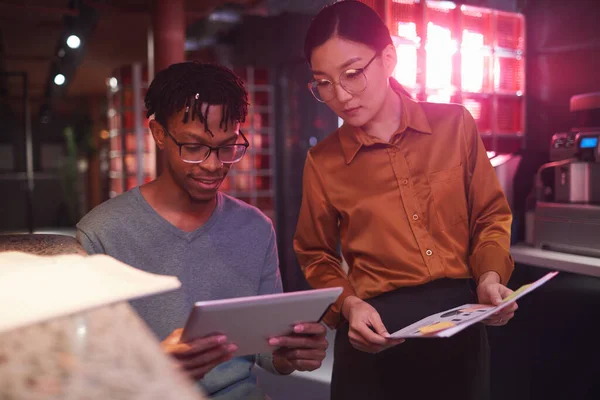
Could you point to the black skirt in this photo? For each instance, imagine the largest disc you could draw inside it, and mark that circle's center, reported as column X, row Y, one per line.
column 449, row 368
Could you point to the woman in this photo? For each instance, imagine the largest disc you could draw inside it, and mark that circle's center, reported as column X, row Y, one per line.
column 408, row 191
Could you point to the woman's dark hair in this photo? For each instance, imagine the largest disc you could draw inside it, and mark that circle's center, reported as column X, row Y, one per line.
column 350, row 20
column 353, row 21
column 190, row 84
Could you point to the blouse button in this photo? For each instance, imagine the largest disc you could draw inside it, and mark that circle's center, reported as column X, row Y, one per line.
column 405, row 182
column 429, row 252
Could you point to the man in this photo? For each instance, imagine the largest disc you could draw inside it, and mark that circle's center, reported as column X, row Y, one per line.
column 179, row 224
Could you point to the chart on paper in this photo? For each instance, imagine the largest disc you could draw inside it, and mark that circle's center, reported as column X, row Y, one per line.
column 450, row 322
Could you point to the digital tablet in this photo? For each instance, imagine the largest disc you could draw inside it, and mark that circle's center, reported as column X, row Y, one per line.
column 249, row 322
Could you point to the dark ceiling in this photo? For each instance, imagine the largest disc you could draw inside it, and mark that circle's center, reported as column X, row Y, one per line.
column 115, row 32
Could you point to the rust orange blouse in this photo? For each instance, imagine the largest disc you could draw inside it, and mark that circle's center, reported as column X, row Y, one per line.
column 424, row 206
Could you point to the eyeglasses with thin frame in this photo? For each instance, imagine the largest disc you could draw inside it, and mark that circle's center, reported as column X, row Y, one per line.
column 195, row 153
column 353, row 81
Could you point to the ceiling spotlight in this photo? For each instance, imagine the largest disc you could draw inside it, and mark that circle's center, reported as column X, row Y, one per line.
column 59, row 79
column 73, row 41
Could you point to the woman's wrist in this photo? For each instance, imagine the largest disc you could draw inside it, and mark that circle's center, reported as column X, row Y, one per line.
column 348, row 303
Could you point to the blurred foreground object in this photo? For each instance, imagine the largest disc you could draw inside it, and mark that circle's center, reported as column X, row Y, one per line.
column 41, row 244
column 67, row 331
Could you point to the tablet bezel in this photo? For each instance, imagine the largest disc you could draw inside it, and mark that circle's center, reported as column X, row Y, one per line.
column 294, row 307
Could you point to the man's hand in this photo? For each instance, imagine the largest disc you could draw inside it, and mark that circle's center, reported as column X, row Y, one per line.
column 491, row 291
column 198, row 357
column 367, row 332
column 304, row 350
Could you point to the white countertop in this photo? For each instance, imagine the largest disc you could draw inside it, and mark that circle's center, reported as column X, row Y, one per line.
column 554, row 260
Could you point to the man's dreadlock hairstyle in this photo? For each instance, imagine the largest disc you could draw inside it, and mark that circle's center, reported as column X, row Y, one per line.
column 189, row 85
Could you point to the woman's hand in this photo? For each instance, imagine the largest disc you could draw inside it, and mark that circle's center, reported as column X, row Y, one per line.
column 367, row 332
column 491, row 291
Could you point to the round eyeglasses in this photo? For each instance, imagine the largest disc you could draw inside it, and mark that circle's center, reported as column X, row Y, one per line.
column 195, row 153
column 353, row 81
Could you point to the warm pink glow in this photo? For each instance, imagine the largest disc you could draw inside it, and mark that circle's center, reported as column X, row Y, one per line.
column 406, row 70
column 407, row 30
column 497, row 73
column 440, row 47
column 439, row 97
column 472, row 62
column 474, row 108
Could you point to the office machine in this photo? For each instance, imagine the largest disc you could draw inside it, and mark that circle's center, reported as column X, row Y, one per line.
column 570, row 221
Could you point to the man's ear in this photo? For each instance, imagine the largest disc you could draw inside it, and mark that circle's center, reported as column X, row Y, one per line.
column 158, row 133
